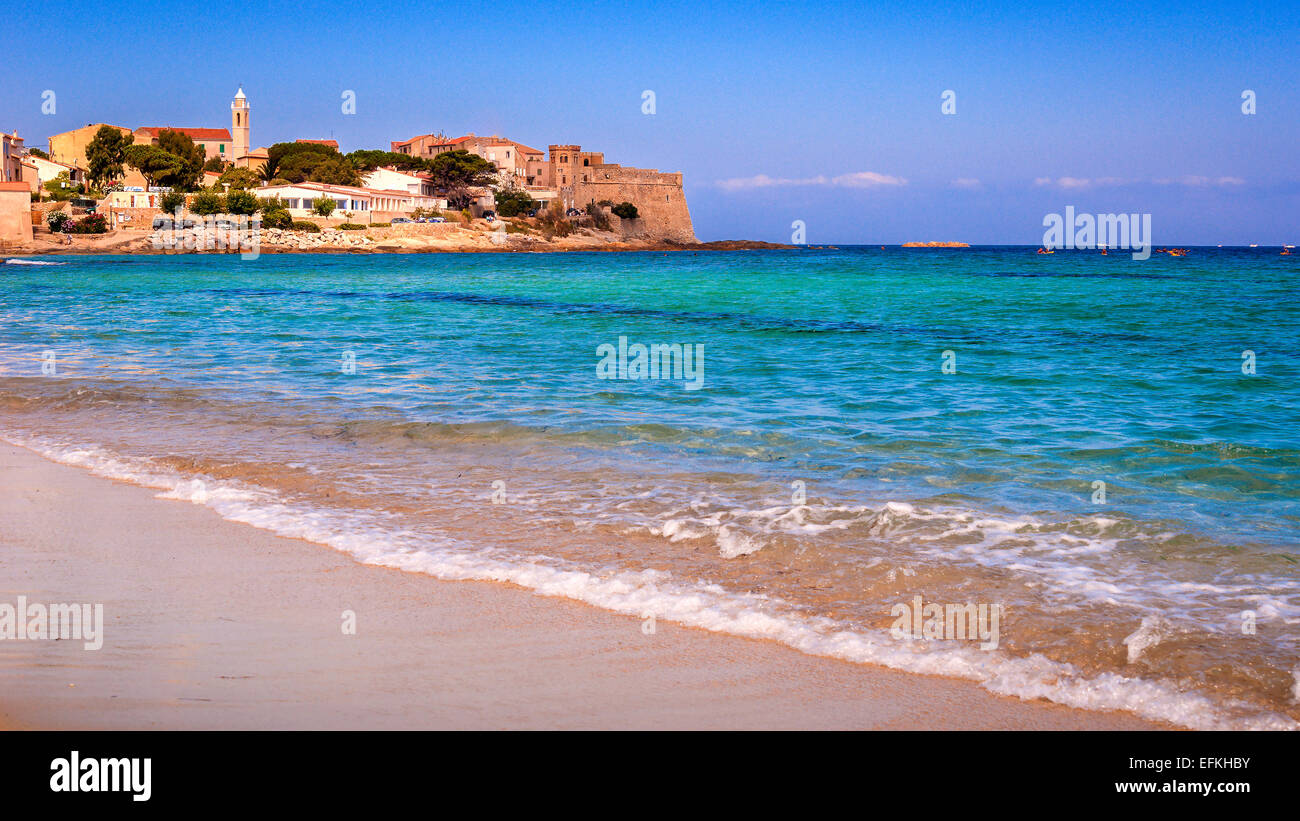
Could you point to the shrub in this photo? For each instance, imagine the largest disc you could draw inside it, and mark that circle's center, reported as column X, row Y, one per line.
column 351, row 226
column 276, row 218
column 512, row 203
column 303, row 225
column 625, row 210
column 171, row 201
column 241, row 202
column 324, row 206
column 206, row 203
column 56, row 220
column 89, row 224
column 598, row 216
column 380, row 224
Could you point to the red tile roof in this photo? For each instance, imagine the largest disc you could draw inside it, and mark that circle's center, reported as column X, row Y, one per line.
column 194, row 133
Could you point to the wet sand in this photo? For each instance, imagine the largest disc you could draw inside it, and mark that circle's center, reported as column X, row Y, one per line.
column 211, row 624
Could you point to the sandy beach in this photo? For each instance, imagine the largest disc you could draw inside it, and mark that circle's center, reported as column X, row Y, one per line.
column 211, row 624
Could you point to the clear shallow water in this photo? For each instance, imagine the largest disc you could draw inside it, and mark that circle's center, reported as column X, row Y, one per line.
column 222, row 381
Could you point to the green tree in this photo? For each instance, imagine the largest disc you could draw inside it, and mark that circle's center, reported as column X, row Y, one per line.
column 324, row 206
column 191, row 156
column 625, row 210
column 278, row 155
column 217, row 165
column 36, row 152
column 268, row 170
column 170, row 202
column 369, row 160
column 155, row 164
column 241, row 202
column 105, row 154
column 513, row 202
column 335, row 170
column 205, row 203
column 455, row 172
column 239, row 178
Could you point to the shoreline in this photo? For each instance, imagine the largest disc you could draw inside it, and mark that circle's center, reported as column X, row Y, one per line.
column 459, row 240
column 214, row 624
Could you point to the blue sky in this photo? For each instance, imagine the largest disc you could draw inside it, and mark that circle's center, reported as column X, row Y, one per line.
column 829, row 113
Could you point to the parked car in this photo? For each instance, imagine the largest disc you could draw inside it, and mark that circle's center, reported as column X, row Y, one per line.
column 169, row 224
column 489, row 215
column 573, row 212
column 532, row 212
column 398, row 220
column 437, row 219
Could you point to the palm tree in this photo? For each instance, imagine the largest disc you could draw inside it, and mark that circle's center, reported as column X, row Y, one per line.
column 269, row 169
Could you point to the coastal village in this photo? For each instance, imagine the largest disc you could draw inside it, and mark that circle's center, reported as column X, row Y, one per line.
column 106, row 187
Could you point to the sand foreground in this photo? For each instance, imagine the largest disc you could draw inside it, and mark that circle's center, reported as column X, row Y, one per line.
column 211, row 624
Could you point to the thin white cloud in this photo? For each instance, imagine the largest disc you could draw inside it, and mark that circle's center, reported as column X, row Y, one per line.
column 965, row 182
column 1199, row 182
column 1191, row 181
column 866, row 179
column 859, row 179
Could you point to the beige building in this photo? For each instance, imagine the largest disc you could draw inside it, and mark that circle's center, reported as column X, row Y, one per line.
column 420, row 146
column 69, row 147
column 15, row 213
column 512, row 158
column 12, row 155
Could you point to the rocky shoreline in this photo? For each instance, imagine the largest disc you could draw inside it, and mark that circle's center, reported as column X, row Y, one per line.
column 453, row 239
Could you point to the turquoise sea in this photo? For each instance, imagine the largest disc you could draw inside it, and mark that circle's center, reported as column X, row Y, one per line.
column 1106, row 449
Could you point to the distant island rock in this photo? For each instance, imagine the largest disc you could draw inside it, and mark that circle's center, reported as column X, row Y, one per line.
column 936, row 245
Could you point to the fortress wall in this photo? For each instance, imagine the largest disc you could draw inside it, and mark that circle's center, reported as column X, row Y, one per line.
column 658, row 197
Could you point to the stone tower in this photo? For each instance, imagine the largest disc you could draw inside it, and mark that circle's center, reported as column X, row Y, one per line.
column 239, row 124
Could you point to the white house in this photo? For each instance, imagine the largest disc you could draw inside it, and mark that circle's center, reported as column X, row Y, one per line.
column 47, row 170
column 391, row 179
column 366, row 204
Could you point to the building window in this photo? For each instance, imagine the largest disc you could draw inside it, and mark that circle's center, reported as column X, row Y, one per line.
column 586, row 161
column 221, row 147
column 564, row 158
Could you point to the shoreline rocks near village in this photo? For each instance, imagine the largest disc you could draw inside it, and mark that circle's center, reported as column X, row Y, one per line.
column 479, row 236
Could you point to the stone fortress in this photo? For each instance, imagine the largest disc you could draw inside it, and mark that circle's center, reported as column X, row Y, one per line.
column 582, row 177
